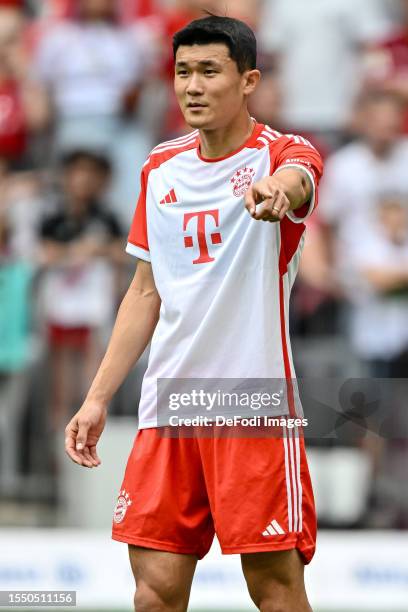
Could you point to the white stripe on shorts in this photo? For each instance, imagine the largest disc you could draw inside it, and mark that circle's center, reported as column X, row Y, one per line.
column 293, row 478
column 288, row 486
column 299, row 480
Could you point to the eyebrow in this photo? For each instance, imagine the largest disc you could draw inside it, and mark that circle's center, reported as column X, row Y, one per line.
column 182, row 64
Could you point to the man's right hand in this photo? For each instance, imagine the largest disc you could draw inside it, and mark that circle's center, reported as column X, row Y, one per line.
column 135, row 324
column 83, row 432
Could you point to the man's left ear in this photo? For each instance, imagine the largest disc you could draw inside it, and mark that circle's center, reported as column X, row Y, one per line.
column 252, row 78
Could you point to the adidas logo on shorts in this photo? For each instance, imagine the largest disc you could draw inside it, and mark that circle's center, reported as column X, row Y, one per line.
column 273, row 529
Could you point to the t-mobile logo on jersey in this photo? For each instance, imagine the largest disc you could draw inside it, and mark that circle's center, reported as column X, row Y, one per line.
column 203, row 245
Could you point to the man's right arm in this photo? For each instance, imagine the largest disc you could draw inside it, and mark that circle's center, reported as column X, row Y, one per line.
column 136, row 321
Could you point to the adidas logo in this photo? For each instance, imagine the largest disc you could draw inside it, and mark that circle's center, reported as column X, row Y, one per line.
column 273, row 529
column 170, row 198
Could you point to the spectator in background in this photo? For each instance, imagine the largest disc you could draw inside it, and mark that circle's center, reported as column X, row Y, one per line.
column 129, row 9
column 15, row 295
column 92, row 67
column 377, row 282
column 386, row 62
column 80, row 244
column 379, row 277
column 375, row 163
column 22, row 107
column 316, row 46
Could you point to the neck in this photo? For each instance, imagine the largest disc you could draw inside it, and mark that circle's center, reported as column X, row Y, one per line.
column 221, row 142
column 77, row 207
column 91, row 20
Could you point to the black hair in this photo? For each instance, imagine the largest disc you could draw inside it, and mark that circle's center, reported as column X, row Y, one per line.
column 235, row 34
column 101, row 161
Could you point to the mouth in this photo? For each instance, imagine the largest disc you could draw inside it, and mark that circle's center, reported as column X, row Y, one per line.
column 196, row 106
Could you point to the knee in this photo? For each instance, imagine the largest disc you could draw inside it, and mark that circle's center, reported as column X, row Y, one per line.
column 278, row 597
column 282, row 603
column 269, row 603
column 147, row 599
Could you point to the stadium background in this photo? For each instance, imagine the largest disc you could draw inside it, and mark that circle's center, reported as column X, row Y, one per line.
column 82, row 101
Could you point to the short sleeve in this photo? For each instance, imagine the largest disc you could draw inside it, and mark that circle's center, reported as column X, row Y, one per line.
column 138, row 244
column 297, row 152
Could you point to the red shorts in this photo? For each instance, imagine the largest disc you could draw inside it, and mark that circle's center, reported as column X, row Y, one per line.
column 254, row 493
column 69, row 337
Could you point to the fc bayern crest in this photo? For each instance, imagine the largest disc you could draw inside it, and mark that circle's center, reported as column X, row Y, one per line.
column 121, row 507
column 242, row 180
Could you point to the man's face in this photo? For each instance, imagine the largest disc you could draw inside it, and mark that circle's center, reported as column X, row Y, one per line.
column 208, row 85
column 387, row 117
column 84, row 181
column 97, row 9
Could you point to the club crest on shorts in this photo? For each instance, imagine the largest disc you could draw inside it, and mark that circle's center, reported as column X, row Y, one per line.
column 121, row 507
column 242, row 180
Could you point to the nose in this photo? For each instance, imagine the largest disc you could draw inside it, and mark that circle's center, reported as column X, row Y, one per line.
column 195, row 85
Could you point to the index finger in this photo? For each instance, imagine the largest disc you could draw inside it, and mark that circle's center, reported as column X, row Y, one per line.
column 250, row 203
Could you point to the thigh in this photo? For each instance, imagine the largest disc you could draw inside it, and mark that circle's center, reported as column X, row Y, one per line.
column 284, row 567
column 162, row 576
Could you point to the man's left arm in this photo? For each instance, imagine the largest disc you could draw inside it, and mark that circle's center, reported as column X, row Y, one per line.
column 292, row 186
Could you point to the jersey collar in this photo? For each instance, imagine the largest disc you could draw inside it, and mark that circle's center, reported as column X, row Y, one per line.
column 249, row 143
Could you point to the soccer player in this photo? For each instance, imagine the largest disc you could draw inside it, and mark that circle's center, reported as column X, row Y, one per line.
column 218, row 231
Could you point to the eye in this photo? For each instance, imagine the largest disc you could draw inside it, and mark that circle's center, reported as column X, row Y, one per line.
column 210, row 72
column 182, row 73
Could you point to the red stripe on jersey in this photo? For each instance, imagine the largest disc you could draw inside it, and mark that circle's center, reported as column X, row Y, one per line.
column 176, row 142
column 281, row 151
column 285, row 352
column 291, row 234
column 173, row 196
column 160, row 157
column 138, row 232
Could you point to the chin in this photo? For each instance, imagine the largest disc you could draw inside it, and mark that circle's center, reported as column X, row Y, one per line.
column 197, row 122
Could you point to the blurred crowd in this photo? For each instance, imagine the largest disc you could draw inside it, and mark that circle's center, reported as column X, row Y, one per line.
column 85, row 93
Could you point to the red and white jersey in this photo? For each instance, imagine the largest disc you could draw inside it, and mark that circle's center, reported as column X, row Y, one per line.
column 224, row 279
